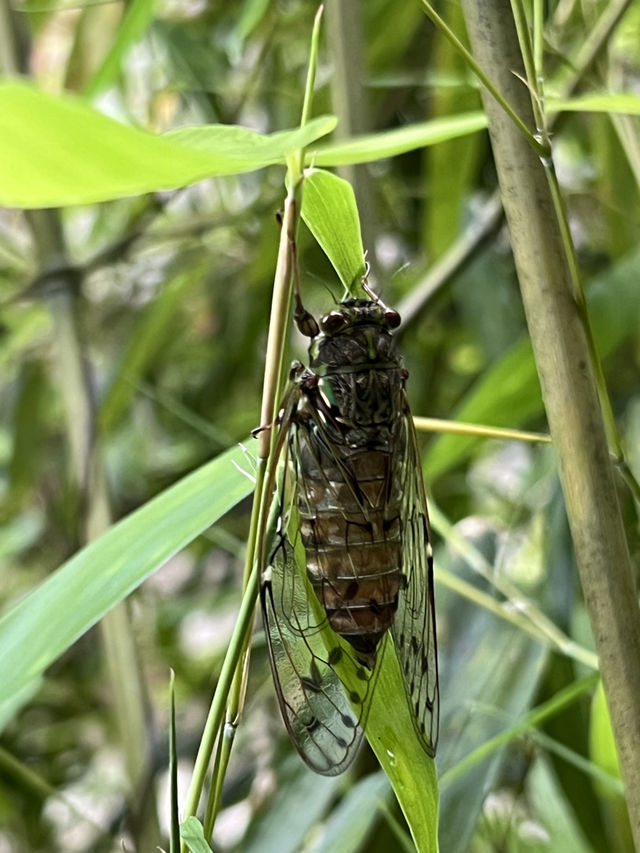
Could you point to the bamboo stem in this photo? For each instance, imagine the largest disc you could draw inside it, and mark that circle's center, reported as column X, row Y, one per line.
column 568, row 387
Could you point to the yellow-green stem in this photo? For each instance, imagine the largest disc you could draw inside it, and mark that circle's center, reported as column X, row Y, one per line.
column 459, row 428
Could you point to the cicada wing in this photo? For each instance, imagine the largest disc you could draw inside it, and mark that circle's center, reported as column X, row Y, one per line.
column 414, row 625
column 305, row 654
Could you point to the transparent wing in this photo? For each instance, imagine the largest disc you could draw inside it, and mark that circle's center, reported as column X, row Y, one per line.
column 414, row 625
column 305, row 654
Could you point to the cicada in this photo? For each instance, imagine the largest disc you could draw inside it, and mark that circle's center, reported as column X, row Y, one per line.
column 349, row 561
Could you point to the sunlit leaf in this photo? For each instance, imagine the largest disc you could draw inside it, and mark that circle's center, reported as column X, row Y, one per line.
column 57, row 151
column 390, row 143
column 390, row 731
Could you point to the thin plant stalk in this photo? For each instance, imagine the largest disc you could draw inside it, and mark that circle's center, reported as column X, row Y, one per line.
column 460, row 428
column 524, row 620
column 223, row 687
column 233, row 692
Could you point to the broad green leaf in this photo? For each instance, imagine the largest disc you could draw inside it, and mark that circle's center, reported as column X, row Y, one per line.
column 192, row 833
column 246, row 146
column 410, row 770
column 390, row 731
column 390, row 143
column 135, row 23
column 43, row 625
column 331, row 214
column 57, row 151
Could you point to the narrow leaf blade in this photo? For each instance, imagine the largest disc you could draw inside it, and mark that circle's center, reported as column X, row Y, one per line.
column 44, row 624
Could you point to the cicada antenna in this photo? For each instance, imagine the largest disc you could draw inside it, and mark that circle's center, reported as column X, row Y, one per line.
column 305, row 321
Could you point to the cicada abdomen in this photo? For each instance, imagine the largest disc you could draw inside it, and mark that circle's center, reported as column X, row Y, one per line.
column 352, row 509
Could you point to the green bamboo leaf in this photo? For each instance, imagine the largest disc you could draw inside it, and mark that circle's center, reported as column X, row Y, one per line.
column 410, row 770
column 329, row 209
column 390, row 143
column 390, row 731
column 244, row 146
column 192, row 833
column 43, row 625
column 57, row 151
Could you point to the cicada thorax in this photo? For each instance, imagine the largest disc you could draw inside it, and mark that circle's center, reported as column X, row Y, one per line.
column 350, row 416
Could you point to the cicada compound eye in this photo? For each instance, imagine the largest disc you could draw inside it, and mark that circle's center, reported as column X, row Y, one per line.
column 333, row 322
column 392, row 318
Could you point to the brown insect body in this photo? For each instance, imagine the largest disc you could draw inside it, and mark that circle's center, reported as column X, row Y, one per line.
column 348, row 498
column 350, row 544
